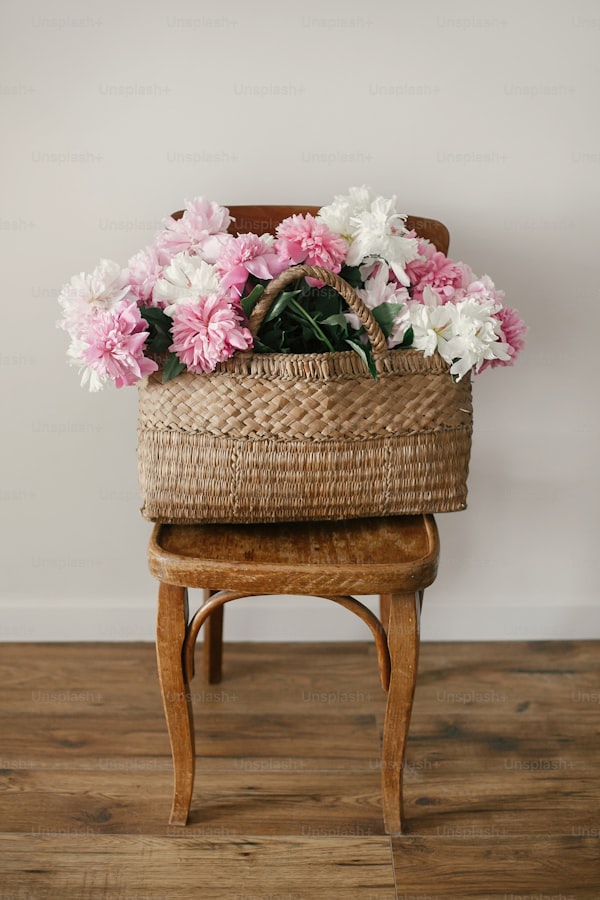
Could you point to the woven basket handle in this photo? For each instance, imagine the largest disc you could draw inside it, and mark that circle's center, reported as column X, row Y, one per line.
column 374, row 332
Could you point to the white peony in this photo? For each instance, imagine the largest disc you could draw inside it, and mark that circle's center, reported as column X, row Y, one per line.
column 381, row 231
column 464, row 334
column 373, row 228
column 101, row 289
column 476, row 336
column 184, row 280
column 431, row 324
column 337, row 216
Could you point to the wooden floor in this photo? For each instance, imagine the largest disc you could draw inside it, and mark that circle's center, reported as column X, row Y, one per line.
column 502, row 780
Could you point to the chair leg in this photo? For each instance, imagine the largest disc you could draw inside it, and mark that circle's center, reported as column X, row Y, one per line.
column 170, row 633
column 384, row 609
column 213, row 644
column 403, row 642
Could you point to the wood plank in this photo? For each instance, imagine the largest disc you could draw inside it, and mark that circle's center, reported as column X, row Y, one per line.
column 498, row 868
column 85, row 680
column 285, row 676
column 442, row 657
column 289, row 797
column 218, row 734
column 460, row 807
column 283, row 799
column 246, row 868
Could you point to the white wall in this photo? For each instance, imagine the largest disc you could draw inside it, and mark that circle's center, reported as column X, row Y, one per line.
column 482, row 114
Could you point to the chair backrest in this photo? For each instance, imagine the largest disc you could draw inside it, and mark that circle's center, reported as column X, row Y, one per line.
column 264, row 220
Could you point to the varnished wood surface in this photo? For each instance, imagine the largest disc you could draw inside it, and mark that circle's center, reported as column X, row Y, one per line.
column 358, row 556
column 501, row 784
column 171, row 627
column 403, row 639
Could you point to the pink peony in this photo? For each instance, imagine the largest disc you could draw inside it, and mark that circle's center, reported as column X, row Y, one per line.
column 207, row 332
column 378, row 289
column 435, row 270
column 480, row 289
column 144, row 270
column 113, row 347
column 303, row 239
column 200, row 231
column 512, row 332
column 247, row 254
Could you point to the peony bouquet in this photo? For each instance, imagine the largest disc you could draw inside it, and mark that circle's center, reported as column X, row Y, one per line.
column 183, row 302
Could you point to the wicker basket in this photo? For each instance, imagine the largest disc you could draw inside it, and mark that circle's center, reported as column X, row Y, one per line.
column 293, row 437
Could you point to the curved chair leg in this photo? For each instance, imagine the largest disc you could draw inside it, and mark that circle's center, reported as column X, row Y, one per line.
column 403, row 642
column 384, row 609
column 171, row 628
column 213, row 643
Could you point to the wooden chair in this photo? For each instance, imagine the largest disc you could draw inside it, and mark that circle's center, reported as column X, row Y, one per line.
column 395, row 558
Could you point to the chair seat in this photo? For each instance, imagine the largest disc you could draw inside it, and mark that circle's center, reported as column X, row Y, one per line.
column 360, row 556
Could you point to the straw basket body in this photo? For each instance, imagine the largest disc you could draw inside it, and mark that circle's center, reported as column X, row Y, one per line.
column 277, row 438
column 298, row 437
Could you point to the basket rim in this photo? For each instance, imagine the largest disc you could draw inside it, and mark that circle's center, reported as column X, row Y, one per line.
column 328, row 364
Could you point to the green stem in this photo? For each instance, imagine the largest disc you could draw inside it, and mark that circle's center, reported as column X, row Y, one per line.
column 300, row 309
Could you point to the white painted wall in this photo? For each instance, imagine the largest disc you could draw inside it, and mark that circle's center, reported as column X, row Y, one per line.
column 482, row 114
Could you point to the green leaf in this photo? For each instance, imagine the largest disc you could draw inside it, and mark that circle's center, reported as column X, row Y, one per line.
column 159, row 329
column 172, row 368
column 408, row 338
column 385, row 316
column 313, row 325
column 337, row 320
column 280, row 304
column 154, row 315
column 366, row 356
column 260, row 347
column 249, row 302
column 351, row 274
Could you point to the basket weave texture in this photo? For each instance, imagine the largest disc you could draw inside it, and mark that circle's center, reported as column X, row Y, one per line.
column 292, row 437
